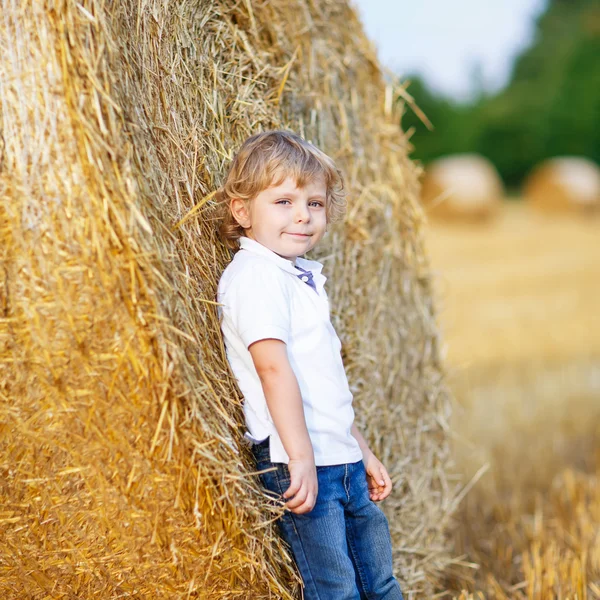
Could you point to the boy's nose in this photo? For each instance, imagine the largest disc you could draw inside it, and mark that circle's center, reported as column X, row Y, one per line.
column 302, row 213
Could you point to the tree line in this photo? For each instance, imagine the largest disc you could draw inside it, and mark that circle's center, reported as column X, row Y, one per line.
column 550, row 107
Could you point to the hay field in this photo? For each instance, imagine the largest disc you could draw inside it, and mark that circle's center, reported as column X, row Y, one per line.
column 517, row 300
column 522, row 286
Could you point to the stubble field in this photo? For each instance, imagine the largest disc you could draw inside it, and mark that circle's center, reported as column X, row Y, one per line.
column 518, row 305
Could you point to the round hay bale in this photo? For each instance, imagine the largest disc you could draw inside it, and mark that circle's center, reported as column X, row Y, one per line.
column 462, row 187
column 123, row 471
column 564, row 184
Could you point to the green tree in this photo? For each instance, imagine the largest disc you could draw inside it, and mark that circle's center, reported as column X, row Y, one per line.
column 551, row 105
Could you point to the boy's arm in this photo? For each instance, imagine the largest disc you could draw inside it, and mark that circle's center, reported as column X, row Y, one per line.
column 283, row 396
column 284, row 401
column 366, row 451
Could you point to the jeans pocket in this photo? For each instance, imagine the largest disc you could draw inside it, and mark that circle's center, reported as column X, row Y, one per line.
column 261, row 453
column 274, row 477
column 283, row 477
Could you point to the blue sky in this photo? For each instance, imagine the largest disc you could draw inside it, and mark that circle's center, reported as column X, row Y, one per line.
column 445, row 40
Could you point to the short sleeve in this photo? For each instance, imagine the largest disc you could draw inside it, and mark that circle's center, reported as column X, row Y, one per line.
column 258, row 303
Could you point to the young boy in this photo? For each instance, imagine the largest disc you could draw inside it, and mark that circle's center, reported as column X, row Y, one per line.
column 278, row 198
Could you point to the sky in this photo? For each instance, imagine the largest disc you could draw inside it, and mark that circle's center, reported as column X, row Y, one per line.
column 446, row 41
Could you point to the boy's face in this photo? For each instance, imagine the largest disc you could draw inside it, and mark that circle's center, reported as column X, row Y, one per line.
column 286, row 219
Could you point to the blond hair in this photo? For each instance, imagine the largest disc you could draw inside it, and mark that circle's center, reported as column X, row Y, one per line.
column 266, row 159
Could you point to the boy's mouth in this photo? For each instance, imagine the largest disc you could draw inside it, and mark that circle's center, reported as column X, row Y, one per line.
column 299, row 234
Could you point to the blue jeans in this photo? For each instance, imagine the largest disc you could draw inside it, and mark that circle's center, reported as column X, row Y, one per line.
column 342, row 546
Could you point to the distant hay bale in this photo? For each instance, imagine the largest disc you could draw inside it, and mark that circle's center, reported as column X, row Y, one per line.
column 462, row 187
column 564, row 184
column 122, row 467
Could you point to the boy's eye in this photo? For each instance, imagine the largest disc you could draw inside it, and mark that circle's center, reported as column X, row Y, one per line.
column 314, row 203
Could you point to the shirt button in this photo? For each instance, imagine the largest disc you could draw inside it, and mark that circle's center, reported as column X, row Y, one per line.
column 304, row 278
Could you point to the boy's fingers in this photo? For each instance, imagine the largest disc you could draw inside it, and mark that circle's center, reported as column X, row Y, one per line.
column 304, row 500
column 298, row 498
column 376, row 475
column 376, row 482
column 293, row 489
column 306, row 506
column 379, row 484
column 388, row 484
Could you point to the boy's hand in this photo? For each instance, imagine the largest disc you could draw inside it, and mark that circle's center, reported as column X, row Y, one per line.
column 378, row 480
column 303, row 486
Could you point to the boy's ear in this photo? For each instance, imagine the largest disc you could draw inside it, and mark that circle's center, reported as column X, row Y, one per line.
column 239, row 210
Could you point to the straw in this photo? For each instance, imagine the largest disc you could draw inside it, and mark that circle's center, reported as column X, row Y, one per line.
column 124, row 473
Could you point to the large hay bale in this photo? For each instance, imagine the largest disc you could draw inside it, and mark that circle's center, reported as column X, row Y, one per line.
column 462, row 187
column 123, row 468
column 564, row 184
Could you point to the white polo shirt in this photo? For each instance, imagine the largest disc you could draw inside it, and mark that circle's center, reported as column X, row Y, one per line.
column 261, row 296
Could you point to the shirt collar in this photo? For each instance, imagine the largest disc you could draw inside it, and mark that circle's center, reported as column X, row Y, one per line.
column 315, row 267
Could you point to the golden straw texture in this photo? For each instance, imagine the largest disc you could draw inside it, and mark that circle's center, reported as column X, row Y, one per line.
column 122, row 467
